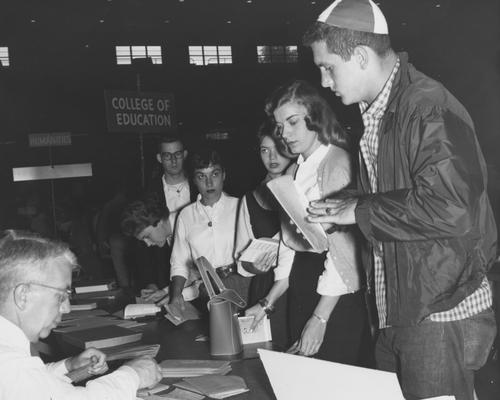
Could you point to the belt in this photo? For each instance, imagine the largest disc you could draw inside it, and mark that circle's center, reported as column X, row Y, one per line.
column 226, row 270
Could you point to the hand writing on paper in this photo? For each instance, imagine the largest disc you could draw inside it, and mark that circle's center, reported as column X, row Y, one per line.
column 258, row 313
column 93, row 358
column 176, row 307
column 338, row 211
column 311, row 338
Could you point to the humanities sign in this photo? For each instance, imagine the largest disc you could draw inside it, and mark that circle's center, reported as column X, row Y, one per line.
column 49, row 139
column 139, row 112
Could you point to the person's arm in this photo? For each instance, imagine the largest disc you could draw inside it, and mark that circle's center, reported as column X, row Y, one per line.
column 29, row 378
column 314, row 331
column 179, row 270
column 276, row 291
column 244, row 236
column 448, row 175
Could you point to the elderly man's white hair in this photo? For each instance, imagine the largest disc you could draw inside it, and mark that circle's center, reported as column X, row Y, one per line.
column 26, row 256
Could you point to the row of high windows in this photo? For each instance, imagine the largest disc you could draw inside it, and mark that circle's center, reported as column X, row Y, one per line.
column 207, row 55
column 198, row 55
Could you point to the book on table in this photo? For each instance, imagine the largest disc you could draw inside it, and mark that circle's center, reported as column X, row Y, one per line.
column 182, row 368
column 295, row 204
column 258, row 247
column 132, row 311
column 261, row 333
column 214, row 386
column 83, row 307
column 91, row 287
column 101, row 336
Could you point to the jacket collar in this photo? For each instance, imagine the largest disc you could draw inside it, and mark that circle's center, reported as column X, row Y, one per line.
column 401, row 81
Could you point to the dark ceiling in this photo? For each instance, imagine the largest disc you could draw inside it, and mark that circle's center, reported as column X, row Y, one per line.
column 197, row 20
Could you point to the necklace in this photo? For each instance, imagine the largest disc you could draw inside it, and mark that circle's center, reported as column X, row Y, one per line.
column 178, row 188
column 208, row 216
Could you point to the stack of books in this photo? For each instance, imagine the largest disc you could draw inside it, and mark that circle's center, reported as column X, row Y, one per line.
column 214, row 386
column 188, row 368
column 101, row 336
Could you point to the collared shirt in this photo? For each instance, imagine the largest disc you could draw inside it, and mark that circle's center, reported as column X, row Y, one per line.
column 204, row 231
column 480, row 299
column 368, row 146
column 27, row 377
column 177, row 197
column 306, row 178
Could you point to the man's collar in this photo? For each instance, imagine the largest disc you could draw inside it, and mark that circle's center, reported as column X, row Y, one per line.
column 13, row 336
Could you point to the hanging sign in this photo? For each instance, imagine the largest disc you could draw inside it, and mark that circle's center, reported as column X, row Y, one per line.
column 51, row 172
column 139, row 112
column 49, row 139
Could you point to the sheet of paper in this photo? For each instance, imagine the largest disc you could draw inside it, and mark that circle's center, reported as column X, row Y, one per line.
column 295, row 204
column 257, row 247
column 262, row 333
column 308, row 378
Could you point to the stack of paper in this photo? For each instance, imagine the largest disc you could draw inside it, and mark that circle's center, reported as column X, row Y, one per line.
column 214, row 386
column 129, row 351
column 144, row 393
column 182, row 368
column 124, row 352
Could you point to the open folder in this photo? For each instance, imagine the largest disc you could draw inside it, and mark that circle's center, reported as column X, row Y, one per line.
column 297, row 377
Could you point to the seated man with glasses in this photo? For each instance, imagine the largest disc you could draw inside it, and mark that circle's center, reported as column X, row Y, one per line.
column 35, row 282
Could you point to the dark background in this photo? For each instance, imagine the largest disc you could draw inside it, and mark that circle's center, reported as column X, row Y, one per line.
column 62, row 58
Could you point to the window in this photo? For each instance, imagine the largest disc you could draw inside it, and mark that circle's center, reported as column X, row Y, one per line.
column 4, row 56
column 277, row 54
column 209, row 55
column 125, row 54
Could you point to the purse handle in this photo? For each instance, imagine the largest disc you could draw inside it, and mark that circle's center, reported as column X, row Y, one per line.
column 231, row 295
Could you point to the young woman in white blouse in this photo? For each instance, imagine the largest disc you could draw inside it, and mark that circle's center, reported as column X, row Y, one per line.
column 327, row 314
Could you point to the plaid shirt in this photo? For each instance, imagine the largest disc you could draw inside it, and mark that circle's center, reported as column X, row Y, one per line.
column 372, row 114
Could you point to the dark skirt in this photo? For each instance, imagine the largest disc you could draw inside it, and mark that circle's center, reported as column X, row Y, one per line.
column 347, row 326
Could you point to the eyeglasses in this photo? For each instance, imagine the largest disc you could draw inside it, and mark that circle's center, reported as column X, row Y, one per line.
column 165, row 156
column 65, row 293
column 291, row 120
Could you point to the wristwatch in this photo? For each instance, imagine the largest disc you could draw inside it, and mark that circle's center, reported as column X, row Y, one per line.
column 268, row 308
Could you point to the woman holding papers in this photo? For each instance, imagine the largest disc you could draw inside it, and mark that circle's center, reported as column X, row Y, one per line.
column 327, row 314
column 258, row 219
